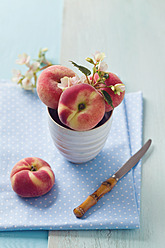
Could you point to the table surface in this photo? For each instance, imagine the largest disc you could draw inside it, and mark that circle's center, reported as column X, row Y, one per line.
column 132, row 35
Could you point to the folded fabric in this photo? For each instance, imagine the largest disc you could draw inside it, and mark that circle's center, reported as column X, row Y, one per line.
column 25, row 133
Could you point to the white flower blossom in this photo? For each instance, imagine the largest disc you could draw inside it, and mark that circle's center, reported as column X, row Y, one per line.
column 64, row 83
column 34, row 66
column 16, row 75
column 117, row 88
column 98, row 56
column 74, row 80
column 102, row 66
column 68, row 82
column 27, row 83
column 23, row 59
column 29, row 74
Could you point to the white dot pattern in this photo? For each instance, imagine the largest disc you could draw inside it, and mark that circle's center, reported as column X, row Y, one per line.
column 24, row 133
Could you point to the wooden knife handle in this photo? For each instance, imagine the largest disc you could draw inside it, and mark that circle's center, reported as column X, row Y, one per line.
column 92, row 199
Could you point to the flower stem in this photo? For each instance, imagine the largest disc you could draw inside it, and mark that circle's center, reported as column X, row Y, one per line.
column 46, row 66
column 88, row 80
column 98, row 82
column 94, row 70
column 35, row 80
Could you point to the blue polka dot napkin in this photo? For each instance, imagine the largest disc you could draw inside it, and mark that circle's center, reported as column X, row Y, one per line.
column 24, row 133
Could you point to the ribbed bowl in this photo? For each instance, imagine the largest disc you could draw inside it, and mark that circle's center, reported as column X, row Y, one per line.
column 78, row 146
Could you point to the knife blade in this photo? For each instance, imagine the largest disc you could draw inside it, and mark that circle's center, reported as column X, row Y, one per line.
column 108, row 185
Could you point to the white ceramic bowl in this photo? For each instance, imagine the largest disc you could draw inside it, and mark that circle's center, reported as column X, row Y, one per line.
column 78, row 146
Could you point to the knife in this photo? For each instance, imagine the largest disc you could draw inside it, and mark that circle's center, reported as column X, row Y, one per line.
column 107, row 185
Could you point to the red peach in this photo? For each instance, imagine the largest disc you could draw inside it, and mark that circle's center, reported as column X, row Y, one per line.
column 116, row 99
column 47, row 84
column 32, row 177
column 81, row 107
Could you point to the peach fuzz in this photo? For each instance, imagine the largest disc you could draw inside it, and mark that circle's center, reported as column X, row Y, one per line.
column 47, row 84
column 32, row 177
column 81, row 107
column 116, row 99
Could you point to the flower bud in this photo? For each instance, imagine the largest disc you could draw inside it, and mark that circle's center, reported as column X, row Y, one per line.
column 89, row 60
column 44, row 49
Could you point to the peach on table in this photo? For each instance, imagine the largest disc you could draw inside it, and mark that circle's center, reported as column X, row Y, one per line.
column 32, row 177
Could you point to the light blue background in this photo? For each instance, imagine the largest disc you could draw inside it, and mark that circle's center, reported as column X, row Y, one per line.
column 27, row 26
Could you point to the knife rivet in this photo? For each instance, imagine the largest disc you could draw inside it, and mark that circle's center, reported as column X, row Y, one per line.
column 114, row 176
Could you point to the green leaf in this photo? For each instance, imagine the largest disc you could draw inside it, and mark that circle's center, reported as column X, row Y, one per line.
column 107, row 98
column 82, row 69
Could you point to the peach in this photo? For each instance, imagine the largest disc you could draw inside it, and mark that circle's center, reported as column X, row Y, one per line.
column 32, row 177
column 116, row 99
column 81, row 107
column 47, row 84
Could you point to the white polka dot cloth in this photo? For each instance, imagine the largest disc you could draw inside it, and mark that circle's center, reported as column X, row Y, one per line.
column 24, row 133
